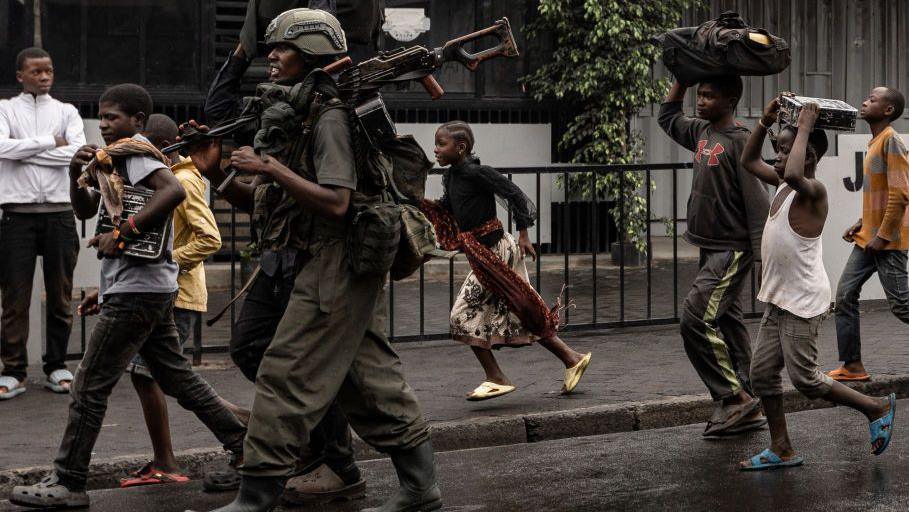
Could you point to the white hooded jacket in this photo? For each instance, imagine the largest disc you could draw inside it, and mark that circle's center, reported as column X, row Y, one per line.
column 33, row 170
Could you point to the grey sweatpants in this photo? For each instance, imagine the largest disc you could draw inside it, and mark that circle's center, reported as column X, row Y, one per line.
column 791, row 341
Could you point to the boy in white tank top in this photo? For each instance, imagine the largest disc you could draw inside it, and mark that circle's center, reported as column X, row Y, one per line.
column 796, row 290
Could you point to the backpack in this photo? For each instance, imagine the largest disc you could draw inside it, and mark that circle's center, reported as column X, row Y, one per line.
column 396, row 169
column 724, row 46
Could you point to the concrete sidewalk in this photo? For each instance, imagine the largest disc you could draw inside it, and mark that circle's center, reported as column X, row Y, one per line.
column 639, row 378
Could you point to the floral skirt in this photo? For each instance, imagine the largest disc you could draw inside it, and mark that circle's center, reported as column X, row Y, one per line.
column 481, row 319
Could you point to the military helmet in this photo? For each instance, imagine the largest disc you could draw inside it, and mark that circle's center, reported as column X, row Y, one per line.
column 311, row 31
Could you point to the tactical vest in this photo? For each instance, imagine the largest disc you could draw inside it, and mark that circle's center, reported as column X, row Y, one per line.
column 279, row 221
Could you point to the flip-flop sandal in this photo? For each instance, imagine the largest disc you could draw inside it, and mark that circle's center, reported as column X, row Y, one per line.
column 769, row 460
column 56, row 379
column 742, row 410
column 843, row 375
column 882, row 428
column 13, row 387
column 573, row 374
column 152, row 477
column 488, row 390
column 741, row 428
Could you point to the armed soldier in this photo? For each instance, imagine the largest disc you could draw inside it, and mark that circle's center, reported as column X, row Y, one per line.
column 329, row 472
column 330, row 341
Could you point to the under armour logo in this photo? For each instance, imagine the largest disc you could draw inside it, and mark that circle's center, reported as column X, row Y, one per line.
column 717, row 149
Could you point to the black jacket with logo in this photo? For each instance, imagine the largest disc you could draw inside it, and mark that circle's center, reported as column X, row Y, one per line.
column 728, row 206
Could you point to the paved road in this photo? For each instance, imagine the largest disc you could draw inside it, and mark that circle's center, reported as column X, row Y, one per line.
column 629, row 365
column 669, row 469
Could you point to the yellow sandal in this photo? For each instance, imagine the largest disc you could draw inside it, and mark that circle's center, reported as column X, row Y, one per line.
column 573, row 374
column 488, row 390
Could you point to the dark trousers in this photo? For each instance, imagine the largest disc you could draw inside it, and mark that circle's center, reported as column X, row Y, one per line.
column 891, row 270
column 24, row 237
column 716, row 340
column 263, row 307
column 131, row 323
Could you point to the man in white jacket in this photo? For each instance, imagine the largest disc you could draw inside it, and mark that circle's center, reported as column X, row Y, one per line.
column 38, row 137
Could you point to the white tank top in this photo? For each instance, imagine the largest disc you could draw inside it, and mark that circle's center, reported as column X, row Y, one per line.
column 793, row 276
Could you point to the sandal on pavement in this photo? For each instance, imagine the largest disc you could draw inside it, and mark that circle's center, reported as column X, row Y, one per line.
column 322, row 486
column 59, row 381
column 843, row 375
column 48, row 493
column 730, row 417
column 882, row 428
column 13, row 387
column 150, row 476
column 754, row 421
column 488, row 390
column 769, row 460
column 573, row 374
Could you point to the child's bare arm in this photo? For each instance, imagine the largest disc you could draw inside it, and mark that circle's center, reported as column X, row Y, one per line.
column 795, row 166
column 751, row 155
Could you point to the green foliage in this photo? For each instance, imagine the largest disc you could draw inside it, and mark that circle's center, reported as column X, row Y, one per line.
column 250, row 252
column 600, row 72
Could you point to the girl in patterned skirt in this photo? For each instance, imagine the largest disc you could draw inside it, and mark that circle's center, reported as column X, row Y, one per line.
column 496, row 306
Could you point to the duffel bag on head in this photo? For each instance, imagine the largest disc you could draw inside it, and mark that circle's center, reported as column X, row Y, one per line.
column 418, row 239
column 724, row 46
column 374, row 237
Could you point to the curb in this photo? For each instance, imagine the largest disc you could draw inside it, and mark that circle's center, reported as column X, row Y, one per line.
column 492, row 431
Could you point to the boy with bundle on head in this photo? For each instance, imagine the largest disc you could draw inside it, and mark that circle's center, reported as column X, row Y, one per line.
column 795, row 287
column 726, row 213
column 135, row 300
column 881, row 236
column 496, row 306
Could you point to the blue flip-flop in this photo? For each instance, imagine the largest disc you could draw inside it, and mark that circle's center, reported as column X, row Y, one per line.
column 882, row 428
column 769, row 460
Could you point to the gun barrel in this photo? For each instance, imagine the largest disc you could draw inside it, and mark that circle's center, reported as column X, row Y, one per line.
column 220, row 131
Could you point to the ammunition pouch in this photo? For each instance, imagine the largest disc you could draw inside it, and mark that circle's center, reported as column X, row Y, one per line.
column 374, row 235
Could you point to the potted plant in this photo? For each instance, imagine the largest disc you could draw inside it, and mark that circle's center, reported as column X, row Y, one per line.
column 599, row 75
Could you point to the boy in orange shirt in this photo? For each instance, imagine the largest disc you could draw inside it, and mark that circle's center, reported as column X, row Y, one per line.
column 881, row 236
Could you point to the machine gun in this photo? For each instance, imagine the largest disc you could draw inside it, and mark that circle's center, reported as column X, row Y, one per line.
column 359, row 84
column 418, row 63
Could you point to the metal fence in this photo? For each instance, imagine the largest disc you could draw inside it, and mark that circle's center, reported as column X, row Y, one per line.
column 598, row 283
column 574, row 319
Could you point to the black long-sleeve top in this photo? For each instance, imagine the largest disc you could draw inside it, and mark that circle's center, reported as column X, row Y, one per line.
column 469, row 193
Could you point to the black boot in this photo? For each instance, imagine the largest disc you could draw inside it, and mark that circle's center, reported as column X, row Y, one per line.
column 257, row 494
column 419, row 490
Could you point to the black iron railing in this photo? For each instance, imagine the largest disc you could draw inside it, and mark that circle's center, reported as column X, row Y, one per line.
column 606, row 290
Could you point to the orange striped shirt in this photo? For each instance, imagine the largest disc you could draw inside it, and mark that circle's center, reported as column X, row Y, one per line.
column 885, row 194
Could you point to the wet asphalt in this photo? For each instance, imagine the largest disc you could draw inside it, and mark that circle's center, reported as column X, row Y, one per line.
column 666, row 469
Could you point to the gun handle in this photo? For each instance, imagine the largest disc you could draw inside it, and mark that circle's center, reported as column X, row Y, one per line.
column 432, row 87
column 501, row 30
column 338, row 66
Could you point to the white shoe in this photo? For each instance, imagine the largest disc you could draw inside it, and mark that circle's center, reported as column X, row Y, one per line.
column 49, row 493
